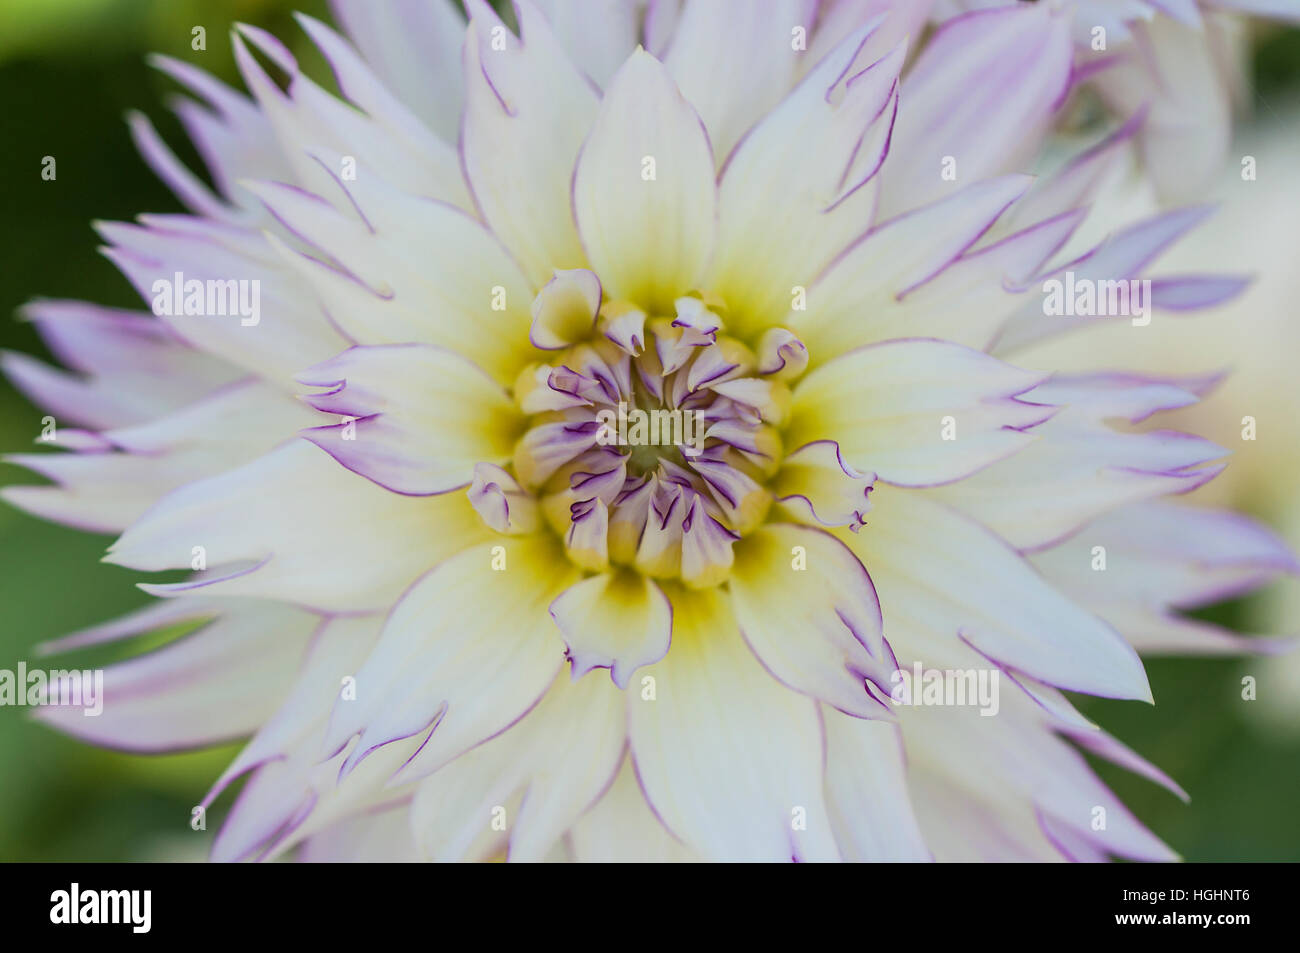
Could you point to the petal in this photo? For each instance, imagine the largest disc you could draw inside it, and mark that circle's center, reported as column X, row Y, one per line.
column 598, row 35
column 866, row 792
column 968, row 302
column 782, row 354
column 527, row 113
column 338, row 648
column 317, row 534
column 419, row 417
column 158, row 614
column 620, row 621
column 733, row 62
column 1188, row 130
column 729, row 759
column 850, row 303
column 955, row 580
column 1078, row 182
column 807, row 608
column 1160, row 557
column 134, row 368
column 773, row 238
column 231, row 134
column 1194, row 292
column 415, row 48
column 305, row 117
column 1120, row 257
column 192, row 191
column 1081, row 465
column 564, row 311
column 621, row 828
column 916, row 412
column 378, row 837
column 980, row 785
column 275, row 330
column 107, row 491
column 643, row 191
column 903, row 21
column 502, row 502
column 217, row 683
column 447, row 662
column 373, row 268
column 707, row 554
column 817, row 484
column 529, row 784
column 290, row 799
column 977, row 101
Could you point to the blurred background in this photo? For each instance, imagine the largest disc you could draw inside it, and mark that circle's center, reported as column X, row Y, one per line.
column 70, row 69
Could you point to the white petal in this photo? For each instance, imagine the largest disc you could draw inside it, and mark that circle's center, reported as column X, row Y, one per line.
column 337, row 651
column 643, row 189
column 1185, row 138
column 817, row 629
column 1160, row 557
column 620, row 621
column 733, row 62
column 467, row 650
column 528, row 785
column 916, row 412
column 415, row 48
column 621, row 828
column 527, row 113
column 598, row 35
column 212, row 685
column 1081, row 465
column 977, row 101
column 319, row 535
column 773, row 238
column 729, row 759
column 377, row 837
column 107, row 492
column 416, row 418
column 855, row 302
column 982, row 786
column 379, row 281
column 955, row 579
column 866, row 792
column 288, row 331
column 305, row 117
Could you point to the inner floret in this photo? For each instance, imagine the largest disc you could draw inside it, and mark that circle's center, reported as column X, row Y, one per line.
column 650, row 439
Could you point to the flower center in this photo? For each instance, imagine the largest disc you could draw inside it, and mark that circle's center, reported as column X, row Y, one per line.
column 651, row 438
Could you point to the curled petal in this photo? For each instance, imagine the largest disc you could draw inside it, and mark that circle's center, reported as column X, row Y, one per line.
column 782, row 354
column 618, row 620
column 564, row 311
column 502, row 502
column 817, row 482
column 808, row 609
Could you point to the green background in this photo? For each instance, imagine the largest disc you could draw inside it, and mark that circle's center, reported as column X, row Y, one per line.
column 69, row 70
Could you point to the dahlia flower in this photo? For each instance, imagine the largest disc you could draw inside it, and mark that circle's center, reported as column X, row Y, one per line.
column 423, row 514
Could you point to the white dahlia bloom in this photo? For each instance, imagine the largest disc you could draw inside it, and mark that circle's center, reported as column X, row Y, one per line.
column 420, row 491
